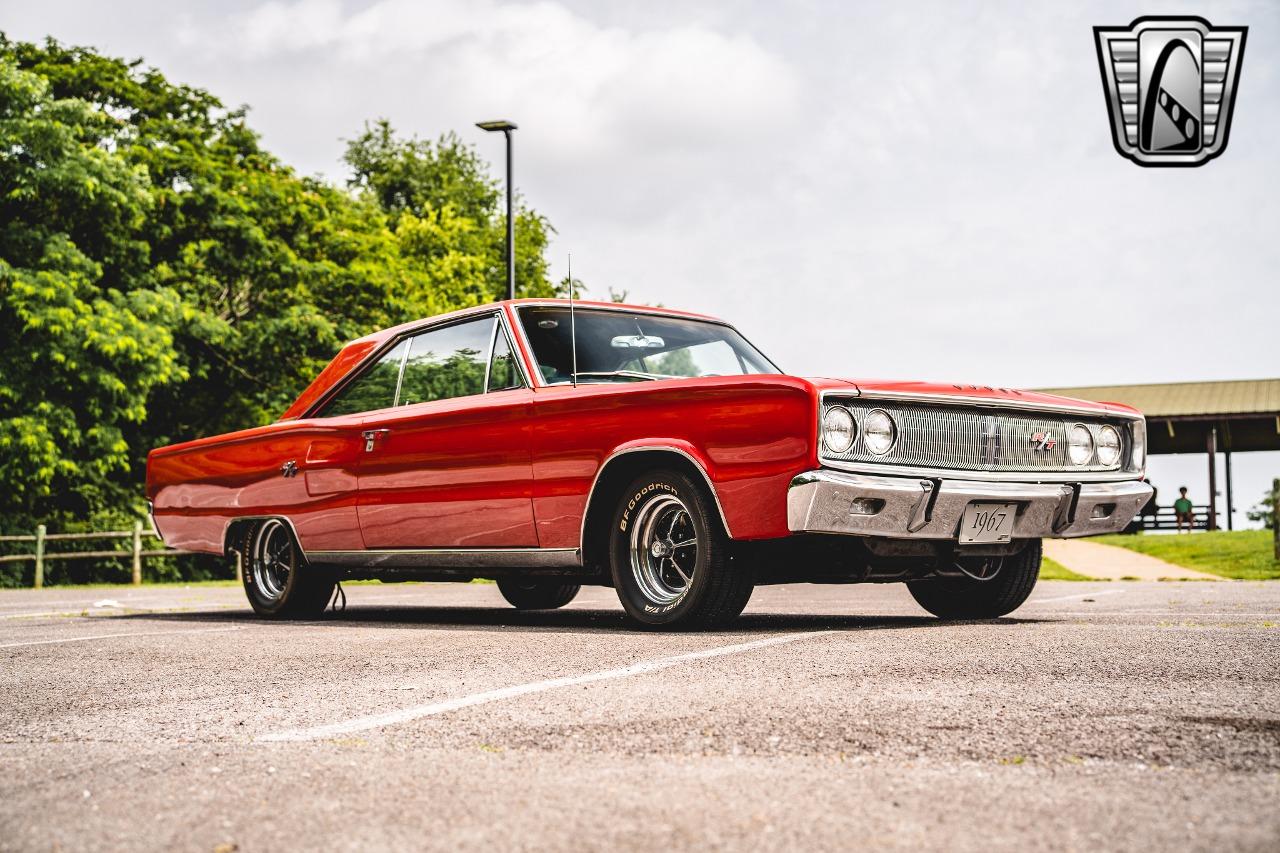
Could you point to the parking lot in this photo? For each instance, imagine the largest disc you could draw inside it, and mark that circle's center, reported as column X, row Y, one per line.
column 1101, row 715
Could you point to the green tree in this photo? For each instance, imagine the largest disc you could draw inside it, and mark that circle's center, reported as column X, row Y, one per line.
column 449, row 217
column 163, row 277
column 82, row 354
column 274, row 271
column 1265, row 511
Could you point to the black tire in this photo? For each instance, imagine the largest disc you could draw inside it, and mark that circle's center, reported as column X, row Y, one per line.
column 701, row 586
column 537, row 594
column 277, row 580
column 965, row 598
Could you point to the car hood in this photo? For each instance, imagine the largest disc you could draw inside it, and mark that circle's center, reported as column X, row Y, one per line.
column 978, row 393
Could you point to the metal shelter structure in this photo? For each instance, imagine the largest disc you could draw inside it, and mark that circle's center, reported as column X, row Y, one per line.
column 1239, row 415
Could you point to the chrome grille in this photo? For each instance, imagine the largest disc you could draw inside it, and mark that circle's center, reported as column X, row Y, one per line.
column 973, row 439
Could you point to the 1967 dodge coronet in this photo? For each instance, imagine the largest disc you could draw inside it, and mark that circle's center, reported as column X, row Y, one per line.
column 654, row 451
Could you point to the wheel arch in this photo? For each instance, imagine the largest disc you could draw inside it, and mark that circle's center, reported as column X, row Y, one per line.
column 618, row 470
column 236, row 528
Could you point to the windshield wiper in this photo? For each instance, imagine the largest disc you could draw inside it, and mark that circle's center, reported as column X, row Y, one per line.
column 625, row 374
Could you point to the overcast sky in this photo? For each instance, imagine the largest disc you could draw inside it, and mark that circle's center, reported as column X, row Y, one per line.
column 895, row 189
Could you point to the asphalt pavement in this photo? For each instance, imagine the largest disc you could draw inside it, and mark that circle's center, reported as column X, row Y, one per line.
column 1115, row 716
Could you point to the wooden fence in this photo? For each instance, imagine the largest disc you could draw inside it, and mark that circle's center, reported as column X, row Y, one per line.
column 1165, row 519
column 136, row 553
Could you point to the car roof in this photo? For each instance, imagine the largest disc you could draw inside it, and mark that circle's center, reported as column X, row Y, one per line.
column 394, row 331
column 354, row 353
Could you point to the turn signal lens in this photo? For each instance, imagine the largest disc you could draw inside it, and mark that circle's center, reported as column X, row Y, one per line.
column 1108, row 446
column 1138, row 449
column 838, row 429
column 1080, row 445
column 879, row 431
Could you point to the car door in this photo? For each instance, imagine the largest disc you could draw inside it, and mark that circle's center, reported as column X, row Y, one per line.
column 327, row 451
column 449, row 466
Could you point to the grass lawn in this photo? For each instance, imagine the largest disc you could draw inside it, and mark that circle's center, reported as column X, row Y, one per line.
column 1237, row 554
column 1051, row 570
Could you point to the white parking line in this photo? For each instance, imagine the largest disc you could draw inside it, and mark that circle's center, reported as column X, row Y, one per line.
column 122, row 600
column 119, row 634
column 124, row 609
column 1175, row 614
column 404, row 715
column 1073, row 597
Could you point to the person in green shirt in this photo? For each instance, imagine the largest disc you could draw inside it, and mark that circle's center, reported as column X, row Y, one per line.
column 1182, row 510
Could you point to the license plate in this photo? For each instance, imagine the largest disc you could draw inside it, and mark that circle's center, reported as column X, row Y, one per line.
column 988, row 522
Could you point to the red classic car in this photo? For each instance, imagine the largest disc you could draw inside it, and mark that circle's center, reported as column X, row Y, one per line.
column 658, row 452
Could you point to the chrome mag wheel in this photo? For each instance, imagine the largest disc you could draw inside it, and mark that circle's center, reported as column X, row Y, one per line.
column 670, row 558
column 272, row 558
column 664, row 549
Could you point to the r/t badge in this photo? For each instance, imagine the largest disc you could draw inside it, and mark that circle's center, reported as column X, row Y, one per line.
column 1170, row 84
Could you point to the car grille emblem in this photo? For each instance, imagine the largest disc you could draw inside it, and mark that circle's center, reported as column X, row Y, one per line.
column 1042, row 442
column 1170, row 84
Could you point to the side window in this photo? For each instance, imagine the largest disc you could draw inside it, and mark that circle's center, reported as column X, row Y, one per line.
column 447, row 362
column 376, row 389
column 503, row 372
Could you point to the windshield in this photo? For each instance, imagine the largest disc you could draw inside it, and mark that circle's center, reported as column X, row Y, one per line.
column 619, row 346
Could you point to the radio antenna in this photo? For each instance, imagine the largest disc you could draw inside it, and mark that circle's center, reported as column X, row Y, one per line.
column 573, row 326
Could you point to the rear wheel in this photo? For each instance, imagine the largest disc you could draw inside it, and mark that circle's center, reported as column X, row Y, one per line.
column 527, row 594
column 989, row 592
column 669, row 556
column 277, row 580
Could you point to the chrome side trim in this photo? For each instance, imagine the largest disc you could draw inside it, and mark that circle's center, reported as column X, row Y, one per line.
column 452, row 558
column 516, row 352
column 488, row 359
column 591, row 493
column 404, row 359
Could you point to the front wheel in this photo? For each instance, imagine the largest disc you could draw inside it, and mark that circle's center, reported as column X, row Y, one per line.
column 525, row 594
column 670, row 558
column 276, row 580
column 999, row 594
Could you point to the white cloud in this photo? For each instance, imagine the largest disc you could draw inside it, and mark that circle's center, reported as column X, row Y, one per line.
column 917, row 189
column 923, row 189
column 591, row 87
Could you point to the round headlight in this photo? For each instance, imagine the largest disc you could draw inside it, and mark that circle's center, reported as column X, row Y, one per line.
column 838, row 429
column 1080, row 445
column 878, row 431
column 1108, row 446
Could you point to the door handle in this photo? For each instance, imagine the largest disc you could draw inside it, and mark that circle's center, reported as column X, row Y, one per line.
column 371, row 437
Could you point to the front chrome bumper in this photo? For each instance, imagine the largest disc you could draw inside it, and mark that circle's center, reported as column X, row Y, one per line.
column 826, row 501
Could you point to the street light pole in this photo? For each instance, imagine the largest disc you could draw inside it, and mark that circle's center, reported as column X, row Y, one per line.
column 506, row 127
